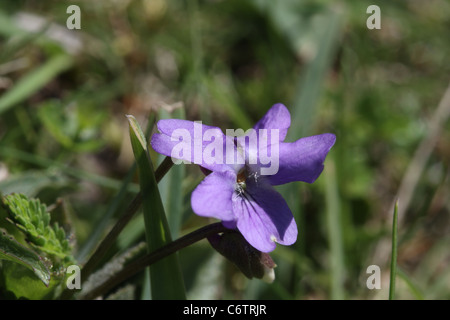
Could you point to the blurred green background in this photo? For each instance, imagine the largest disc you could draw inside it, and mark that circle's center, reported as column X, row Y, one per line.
column 64, row 137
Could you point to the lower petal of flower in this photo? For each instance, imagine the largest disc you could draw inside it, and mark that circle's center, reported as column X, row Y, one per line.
column 264, row 218
column 212, row 197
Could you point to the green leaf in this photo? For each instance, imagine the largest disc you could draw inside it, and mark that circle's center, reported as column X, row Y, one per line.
column 31, row 217
column 137, row 135
column 34, row 81
column 13, row 251
column 165, row 275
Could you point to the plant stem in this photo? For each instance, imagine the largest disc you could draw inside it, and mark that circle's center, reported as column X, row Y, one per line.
column 108, row 241
column 134, row 206
column 147, row 260
column 393, row 254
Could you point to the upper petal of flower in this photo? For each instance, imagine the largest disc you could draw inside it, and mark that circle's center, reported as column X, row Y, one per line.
column 212, row 197
column 271, row 129
column 263, row 217
column 303, row 159
column 187, row 140
column 278, row 117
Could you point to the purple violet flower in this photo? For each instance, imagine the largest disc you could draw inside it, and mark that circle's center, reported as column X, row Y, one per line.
column 237, row 191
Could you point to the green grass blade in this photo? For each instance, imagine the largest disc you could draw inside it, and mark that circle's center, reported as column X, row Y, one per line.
column 311, row 81
column 34, row 81
column 165, row 276
column 305, row 105
column 103, row 224
column 170, row 186
column 417, row 292
column 228, row 102
column 112, row 209
column 393, row 254
column 40, row 161
column 334, row 227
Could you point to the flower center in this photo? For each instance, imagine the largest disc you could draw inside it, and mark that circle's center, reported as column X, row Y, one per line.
column 244, row 175
column 240, row 181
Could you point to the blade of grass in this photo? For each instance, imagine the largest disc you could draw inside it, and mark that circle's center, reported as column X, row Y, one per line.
column 102, row 225
column 417, row 165
column 41, row 31
column 32, row 182
column 165, row 276
column 310, row 83
column 305, row 106
column 146, row 293
column 123, row 221
column 225, row 96
column 334, row 228
column 154, row 257
column 113, row 206
column 35, row 80
column 198, row 61
column 412, row 287
column 170, row 186
column 38, row 160
column 393, row 254
column 112, row 235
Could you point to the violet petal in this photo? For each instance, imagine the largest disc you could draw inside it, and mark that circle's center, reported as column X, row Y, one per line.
column 303, row 159
column 278, row 117
column 186, row 140
column 263, row 217
column 212, row 197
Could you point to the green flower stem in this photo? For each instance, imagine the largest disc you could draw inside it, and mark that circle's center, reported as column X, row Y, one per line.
column 108, row 241
column 149, row 259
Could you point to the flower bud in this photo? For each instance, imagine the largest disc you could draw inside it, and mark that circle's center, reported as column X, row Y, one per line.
column 252, row 262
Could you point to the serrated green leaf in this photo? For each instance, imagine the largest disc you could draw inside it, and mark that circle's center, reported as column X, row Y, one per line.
column 32, row 218
column 13, row 251
column 165, row 275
